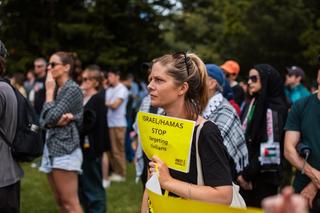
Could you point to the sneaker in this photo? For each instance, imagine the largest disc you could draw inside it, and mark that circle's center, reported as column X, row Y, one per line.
column 33, row 165
column 117, row 178
column 106, row 183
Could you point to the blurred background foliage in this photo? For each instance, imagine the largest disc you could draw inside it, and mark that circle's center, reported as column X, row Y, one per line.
column 121, row 34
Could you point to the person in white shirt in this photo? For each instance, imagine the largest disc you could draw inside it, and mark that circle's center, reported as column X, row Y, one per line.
column 116, row 101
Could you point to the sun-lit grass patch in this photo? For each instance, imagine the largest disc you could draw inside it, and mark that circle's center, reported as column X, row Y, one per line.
column 36, row 195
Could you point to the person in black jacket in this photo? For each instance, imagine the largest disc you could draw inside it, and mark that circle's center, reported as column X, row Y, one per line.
column 94, row 139
column 263, row 121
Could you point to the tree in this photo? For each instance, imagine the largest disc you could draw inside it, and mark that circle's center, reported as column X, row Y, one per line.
column 119, row 34
column 248, row 31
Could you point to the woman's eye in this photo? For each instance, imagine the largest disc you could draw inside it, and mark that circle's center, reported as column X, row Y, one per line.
column 158, row 80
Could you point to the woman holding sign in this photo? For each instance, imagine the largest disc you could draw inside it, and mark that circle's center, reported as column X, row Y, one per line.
column 177, row 83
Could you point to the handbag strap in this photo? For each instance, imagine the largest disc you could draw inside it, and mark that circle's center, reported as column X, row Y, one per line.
column 199, row 165
column 237, row 200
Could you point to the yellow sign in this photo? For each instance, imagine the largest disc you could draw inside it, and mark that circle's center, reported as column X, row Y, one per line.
column 165, row 204
column 168, row 138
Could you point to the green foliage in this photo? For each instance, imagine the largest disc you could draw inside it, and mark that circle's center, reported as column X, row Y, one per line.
column 118, row 34
column 281, row 33
column 124, row 33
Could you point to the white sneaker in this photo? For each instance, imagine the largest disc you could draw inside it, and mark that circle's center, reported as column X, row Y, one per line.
column 33, row 165
column 117, row 178
column 106, row 183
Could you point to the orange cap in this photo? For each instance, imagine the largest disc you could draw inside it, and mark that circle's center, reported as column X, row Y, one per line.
column 231, row 67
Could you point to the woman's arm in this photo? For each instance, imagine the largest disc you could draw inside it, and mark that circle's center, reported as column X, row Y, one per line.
column 144, row 203
column 220, row 194
column 52, row 111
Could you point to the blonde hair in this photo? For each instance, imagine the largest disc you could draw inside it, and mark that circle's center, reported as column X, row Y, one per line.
column 96, row 74
column 188, row 67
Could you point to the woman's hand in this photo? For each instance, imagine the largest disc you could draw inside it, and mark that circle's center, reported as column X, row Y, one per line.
column 315, row 177
column 50, row 87
column 65, row 119
column 157, row 165
column 244, row 184
column 309, row 193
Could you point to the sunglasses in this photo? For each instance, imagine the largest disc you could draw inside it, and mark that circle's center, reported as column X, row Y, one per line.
column 86, row 79
column 184, row 54
column 53, row 64
column 253, row 78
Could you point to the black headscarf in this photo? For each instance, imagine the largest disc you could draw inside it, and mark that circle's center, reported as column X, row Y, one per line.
column 271, row 96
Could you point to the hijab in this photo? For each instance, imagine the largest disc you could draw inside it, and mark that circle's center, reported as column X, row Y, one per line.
column 271, row 96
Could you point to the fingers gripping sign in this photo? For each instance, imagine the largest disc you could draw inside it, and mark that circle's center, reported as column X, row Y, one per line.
column 157, row 166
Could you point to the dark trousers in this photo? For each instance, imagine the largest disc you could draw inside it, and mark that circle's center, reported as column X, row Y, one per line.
column 260, row 191
column 10, row 198
column 91, row 193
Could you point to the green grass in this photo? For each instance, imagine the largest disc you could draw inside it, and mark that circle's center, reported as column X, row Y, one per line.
column 36, row 195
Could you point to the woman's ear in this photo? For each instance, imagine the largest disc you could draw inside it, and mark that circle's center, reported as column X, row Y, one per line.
column 67, row 67
column 183, row 88
column 212, row 84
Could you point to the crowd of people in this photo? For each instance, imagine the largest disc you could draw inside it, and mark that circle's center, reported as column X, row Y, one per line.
column 246, row 132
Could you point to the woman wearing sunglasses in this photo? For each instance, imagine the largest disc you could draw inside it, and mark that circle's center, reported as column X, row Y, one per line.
column 263, row 120
column 62, row 115
column 178, row 84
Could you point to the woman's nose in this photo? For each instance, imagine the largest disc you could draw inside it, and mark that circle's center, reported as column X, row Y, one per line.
column 150, row 85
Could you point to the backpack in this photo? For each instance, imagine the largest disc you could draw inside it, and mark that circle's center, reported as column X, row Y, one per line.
column 28, row 142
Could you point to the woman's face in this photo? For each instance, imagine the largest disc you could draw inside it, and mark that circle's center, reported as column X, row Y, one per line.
column 254, row 81
column 162, row 88
column 87, row 81
column 57, row 68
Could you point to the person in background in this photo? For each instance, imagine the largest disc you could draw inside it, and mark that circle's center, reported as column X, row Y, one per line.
column 94, row 135
column 178, row 84
column 10, row 171
column 29, row 82
column 131, row 112
column 106, row 153
column 220, row 112
column 302, row 130
column 263, row 120
column 62, row 117
column 17, row 81
column 294, row 88
column 116, row 101
column 314, row 87
column 76, row 74
column 39, row 89
column 231, row 69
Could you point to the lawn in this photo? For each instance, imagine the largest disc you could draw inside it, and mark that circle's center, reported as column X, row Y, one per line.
column 36, row 196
